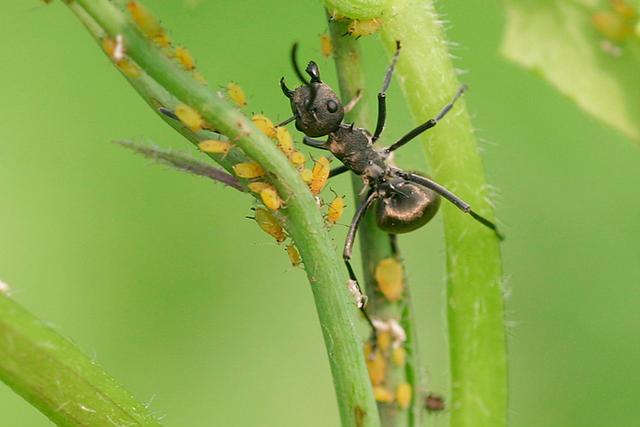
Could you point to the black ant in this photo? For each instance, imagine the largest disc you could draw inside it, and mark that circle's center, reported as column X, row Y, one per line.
column 405, row 200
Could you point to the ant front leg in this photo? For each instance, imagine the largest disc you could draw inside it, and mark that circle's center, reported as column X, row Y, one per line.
column 338, row 171
column 354, row 287
column 393, row 243
column 315, row 143
column 428, row 124
column 382, row 96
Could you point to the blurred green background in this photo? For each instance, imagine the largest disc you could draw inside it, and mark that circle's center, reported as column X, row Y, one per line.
column 159, row 276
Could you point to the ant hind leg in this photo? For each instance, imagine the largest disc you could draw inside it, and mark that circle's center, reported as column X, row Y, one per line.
column 457, row 201
column 429, row 123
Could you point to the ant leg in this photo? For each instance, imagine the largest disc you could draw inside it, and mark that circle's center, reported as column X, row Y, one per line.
column 168, row 113
column 393, row 242
column 337, row 171
column 361, row 300
column 294, row 62
column 286, row 122
column 382, row 95
column 314, row 143
column 428, row 124
column 458, row 202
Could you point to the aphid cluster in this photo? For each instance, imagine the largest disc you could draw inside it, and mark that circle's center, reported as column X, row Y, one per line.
column 151, row 28
column 403, row 201
column 385, row 354
column 267, row 217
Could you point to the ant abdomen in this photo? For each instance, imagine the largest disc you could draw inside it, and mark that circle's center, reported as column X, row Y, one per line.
column 405, row 206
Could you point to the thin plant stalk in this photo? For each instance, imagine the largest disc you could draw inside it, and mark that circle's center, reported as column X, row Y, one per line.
column 375, row 247
column 475, row 303
column 475, row 306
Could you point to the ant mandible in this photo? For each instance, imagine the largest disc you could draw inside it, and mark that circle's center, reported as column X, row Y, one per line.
column 405, row 200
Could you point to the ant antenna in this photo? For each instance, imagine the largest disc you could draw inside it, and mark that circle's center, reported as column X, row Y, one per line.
column 296, row 67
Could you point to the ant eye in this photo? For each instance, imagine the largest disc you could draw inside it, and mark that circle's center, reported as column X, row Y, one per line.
column 332, row 106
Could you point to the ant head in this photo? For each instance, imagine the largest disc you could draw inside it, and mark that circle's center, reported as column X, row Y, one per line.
column 315, row 106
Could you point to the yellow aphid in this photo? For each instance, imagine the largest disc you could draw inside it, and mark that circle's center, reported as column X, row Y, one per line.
column 390, row 277
column 326, row 46
column 306, row 175
column 320, row 175
column 199, row 77
column 270, row 198
column 248, row 170
column 129, row 69
column 334, row 15
column 377, row 368
column 384, row 340
column 367, row 350
column 367, row 27
column 624, row 9
column 270, row 224
column 616, row 25
column 399, row 356
column 382, row 394
column 236, row 94
column 147, row 23
column 404, row 392
column 294, row 255
column 162, row 40
column 109, row 46
column 612, row 26
column 257, row 187
column 285, row 140
column 189, row 117
column 298, row 159
column 185, row 58
column 336, row 209
column 215, row 146
column 265, row 125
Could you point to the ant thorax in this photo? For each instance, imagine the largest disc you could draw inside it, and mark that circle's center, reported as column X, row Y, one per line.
column 353, row 147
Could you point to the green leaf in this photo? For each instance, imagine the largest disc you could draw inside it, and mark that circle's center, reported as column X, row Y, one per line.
column 559, row 40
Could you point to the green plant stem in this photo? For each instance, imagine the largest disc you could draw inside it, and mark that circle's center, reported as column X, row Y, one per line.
column 304, row 222
column 375, row 244
column 54, row 376
column 474, row 292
